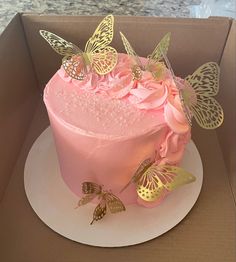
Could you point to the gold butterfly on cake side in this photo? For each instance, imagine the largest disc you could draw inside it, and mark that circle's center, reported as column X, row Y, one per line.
column 197, row 93
column 98, row 55
column 107, row 200
column 153, row 64
column 152, row 179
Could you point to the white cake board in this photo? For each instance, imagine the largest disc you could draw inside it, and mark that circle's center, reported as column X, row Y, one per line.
column 54, row 203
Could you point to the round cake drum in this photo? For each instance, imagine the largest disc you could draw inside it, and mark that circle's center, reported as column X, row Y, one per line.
column 55, row 204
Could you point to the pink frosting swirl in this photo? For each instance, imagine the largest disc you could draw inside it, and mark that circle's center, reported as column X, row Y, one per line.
column 173, row 111
column 149, row 93
column 118, row 82
column 172, row 148
column 89, row 83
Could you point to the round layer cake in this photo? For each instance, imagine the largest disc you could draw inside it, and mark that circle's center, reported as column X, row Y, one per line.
column 105, row 126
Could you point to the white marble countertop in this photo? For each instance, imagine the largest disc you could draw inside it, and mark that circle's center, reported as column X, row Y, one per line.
column 169, row 8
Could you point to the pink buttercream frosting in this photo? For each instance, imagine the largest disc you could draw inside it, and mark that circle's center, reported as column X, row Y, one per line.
column 146, row 94
column 152, row 99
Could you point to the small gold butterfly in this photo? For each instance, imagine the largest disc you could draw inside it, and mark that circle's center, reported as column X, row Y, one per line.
column 107, row 199
column 153, row 65
column 196, row 94
column 151, row 179
column 98, row 55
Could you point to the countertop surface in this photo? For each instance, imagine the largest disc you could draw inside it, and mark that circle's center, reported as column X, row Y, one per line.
column 169, row 8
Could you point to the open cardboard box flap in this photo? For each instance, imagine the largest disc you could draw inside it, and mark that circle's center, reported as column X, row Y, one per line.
column 27, row 63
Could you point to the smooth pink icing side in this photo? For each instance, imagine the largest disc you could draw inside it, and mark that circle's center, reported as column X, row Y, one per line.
column 112, row 160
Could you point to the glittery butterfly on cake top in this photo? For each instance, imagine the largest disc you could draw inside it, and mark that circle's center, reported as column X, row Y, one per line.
column 107, row 200
column 153, row 64
column 197, row 93
column 98, row 55
column 152, row 179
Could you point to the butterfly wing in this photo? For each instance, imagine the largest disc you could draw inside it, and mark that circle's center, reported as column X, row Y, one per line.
column 158, row 70
column 205, row 82
column 100, row 211
column 167, row 62
column 91, row 188
column 149, row 186
column 184, row 87
column 181, row 87
column 86, row 199
column 141, row 169
column 159, row 177
column 173, row 177
column 102, row 36
column 114, row 204
column 74, row 67
column 130, row 51
column 102, row 57
column 208, row 112
column 161, row 48
column 60, row 45
column 104, row 60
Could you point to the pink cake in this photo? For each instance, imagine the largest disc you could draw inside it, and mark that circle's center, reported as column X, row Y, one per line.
column 121, row 122
column 105, row 126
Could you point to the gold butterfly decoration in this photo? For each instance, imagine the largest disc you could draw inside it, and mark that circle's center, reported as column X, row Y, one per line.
column 197, row 93
column 107, row 199
column 97, row 54
column 152, row 179
column 153, row 64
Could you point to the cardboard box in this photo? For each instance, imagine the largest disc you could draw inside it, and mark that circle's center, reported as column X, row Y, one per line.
column 26, row 64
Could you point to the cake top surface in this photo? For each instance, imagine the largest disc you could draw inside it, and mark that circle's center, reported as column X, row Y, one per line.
column 111, row 105
column 96, row 113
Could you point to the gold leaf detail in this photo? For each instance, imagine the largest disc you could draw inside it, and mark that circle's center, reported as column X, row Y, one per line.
column 99, row 212
column 92, row 190
column 153, row 59
column 197, row 95
column 205, row 82
column 161, row 48
column 60, row 45
column 114, row 203
column 152, row 179
column 98, row 55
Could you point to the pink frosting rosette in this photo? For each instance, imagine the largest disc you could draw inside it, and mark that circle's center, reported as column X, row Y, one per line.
column 116, row 84
column 119, row 81
column 89, row 83
column 172, row 148
column 149, row 94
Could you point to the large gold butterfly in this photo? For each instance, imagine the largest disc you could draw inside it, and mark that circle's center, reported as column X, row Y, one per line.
column 196, row 93
column 152, row 179
column 97, row 54
column 107, row 199
column 153, row 64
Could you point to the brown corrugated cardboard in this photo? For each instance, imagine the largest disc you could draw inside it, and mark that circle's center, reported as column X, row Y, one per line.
column 228, row 93
column 17, row 96
column 208, row 231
